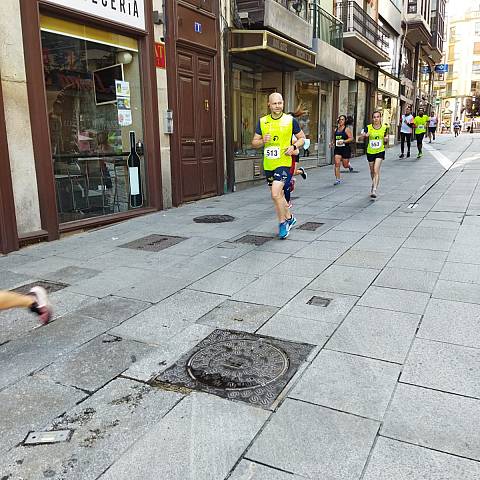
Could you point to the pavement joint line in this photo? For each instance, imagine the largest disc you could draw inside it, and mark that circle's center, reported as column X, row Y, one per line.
column 266, row 465
column 450, row 343
column 423, row 387
column 430, row 448
column 361, row 356
column 401, row 289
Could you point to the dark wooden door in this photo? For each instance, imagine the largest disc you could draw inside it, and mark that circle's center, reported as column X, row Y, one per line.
column 197, row 115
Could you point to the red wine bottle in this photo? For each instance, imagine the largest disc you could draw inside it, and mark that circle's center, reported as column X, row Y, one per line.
column 136, row 197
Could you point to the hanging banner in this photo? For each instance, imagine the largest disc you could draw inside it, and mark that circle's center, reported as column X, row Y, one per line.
column 160, row 61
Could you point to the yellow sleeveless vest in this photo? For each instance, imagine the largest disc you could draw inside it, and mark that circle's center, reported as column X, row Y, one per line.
column 281, row 131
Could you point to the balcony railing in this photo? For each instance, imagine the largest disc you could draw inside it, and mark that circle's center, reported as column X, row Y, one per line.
column 437, row 41
column 299, row 7
column 326, row 27
column 256, row 10
column 355, row 19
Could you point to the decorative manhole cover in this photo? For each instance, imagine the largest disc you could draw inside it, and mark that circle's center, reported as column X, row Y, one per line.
column 310, row 226
column 153, row 243
column 319, row 301
column 238, row 366
column 214, row 219
column 257, row 240
column 50, row 287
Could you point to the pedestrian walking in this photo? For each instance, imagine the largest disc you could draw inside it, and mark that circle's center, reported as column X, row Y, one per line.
column 274, row 133
column 421, row 124
column 36, row 300
column 342, row 138
column 406, row 130
column 376, row 136
column 456, row 127
column 432, row 126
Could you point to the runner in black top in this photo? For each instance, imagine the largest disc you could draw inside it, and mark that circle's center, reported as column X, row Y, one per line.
column 342, row 151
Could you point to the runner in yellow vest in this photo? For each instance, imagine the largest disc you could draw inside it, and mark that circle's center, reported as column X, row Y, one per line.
column 274, row 133
column 376, row 136
column 421, row 122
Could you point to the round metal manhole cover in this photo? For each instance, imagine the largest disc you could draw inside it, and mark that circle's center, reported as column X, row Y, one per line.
column 214, row 219
column 238, row 364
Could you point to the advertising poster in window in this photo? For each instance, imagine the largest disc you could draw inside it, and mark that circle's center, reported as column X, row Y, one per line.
column 122, row 90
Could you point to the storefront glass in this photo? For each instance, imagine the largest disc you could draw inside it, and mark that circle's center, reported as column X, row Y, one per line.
column 91, row 116
column 307, row 103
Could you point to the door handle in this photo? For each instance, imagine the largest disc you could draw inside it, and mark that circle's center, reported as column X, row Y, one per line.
column 189, row 141
column 207, row 141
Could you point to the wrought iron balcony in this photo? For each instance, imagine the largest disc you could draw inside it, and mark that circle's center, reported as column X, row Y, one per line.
column 252, row 12
column 361, row 33
column 326, row 27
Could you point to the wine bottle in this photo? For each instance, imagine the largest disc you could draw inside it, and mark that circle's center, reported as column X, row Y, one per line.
column 136, row 197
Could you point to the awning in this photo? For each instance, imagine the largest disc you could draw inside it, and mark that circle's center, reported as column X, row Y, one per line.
column 269, row 51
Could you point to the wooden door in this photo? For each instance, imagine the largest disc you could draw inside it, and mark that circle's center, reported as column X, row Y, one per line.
column 196, row 124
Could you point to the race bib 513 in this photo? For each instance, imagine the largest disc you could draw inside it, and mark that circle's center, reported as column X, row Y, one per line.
column 374, row 144
column 272, row 153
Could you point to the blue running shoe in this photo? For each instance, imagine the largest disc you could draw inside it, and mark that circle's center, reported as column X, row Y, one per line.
column 291, row 222
column 283, row 230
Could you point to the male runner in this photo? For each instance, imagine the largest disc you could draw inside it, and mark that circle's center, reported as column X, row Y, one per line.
column 274, row 133
column 421, row 122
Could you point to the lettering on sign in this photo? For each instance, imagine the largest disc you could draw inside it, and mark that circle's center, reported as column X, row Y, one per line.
column 291, row 49
column 125, row 12
column 160, row 55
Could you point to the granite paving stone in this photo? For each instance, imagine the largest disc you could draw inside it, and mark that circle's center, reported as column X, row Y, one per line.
column 70, row 274
column 405, row 279
column 159, row 323
column 322, row 250
column 302, row 267
column 465, row 253
column 393, row 460
column 215, row 432
column 247, row 470
column 41, row 268
column 342, row 236
column 451, row 322
column 315, row 442
column 30, row 404
column 373, row 243
column 344, row 279
column 436, row 420
column 426, row 244
column 272, row 289
column 349, row 383
column 443, row 366
column 457, row 291
column 223, row 282
column 41, row 347
column 427, row 260
column 375, row 333
column 395, row 299
column 289, row 246
column 297, row 329
column 233, row 315
column 80, row 368
column 10, row 280
column 105, row 426
column 458, row 272
column 256, row 263
column 334, row 312
column 113, row 310
column 364, row 259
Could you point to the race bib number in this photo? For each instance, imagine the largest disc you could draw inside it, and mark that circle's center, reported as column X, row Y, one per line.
column 272, row 153
column 374, row 144
column 340, row 143
column 421, row 127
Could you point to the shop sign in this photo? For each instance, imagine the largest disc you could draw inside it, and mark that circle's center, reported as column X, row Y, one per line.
column 425, row 69
column 291, row 49
column 125, row 12
column 441, row 68
column 388, row 84
column 160, row 61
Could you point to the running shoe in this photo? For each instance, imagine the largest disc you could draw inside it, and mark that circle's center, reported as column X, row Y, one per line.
column 401, row 155
column 303, row 173
column 338, row 181
column 283, row 230
column 408, row 154
column 420, row 155
column 292, row 221
column 374, row 193
column 41, row 306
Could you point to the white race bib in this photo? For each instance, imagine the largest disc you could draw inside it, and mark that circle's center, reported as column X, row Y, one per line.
column 340, row 143
column 421, row 127
column 272, row 153
column 374, row 144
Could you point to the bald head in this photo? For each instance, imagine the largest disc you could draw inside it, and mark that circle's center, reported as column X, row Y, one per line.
column 275, row 103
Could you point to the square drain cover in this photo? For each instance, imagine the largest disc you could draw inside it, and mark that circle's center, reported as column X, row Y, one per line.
column 55, row 436
column 50, row 287
column 254, row 239
column 319, row 301
column 310, row 226
column 237, row 366
column 153, row 243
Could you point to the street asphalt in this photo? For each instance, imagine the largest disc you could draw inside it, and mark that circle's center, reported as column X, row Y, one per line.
column 385, row 293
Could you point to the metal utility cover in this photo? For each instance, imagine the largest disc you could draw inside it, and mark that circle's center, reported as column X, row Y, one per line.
column 55, row 436
column 238, row 366
column 319, row 301
column 50, row 287
column 214, row 219
column 153, row 243
column 257, row 240
column 310, row 226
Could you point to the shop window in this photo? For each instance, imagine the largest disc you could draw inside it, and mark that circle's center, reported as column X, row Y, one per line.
column 91, row 116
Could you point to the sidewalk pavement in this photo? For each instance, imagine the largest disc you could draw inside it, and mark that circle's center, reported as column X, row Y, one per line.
column 389, row 391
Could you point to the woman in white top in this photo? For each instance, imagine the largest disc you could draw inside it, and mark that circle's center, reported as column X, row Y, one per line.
column 432, row 126
column 406, row 131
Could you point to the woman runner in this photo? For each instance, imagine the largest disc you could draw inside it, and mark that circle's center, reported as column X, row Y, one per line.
column 342, row 152
column 376, row 136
